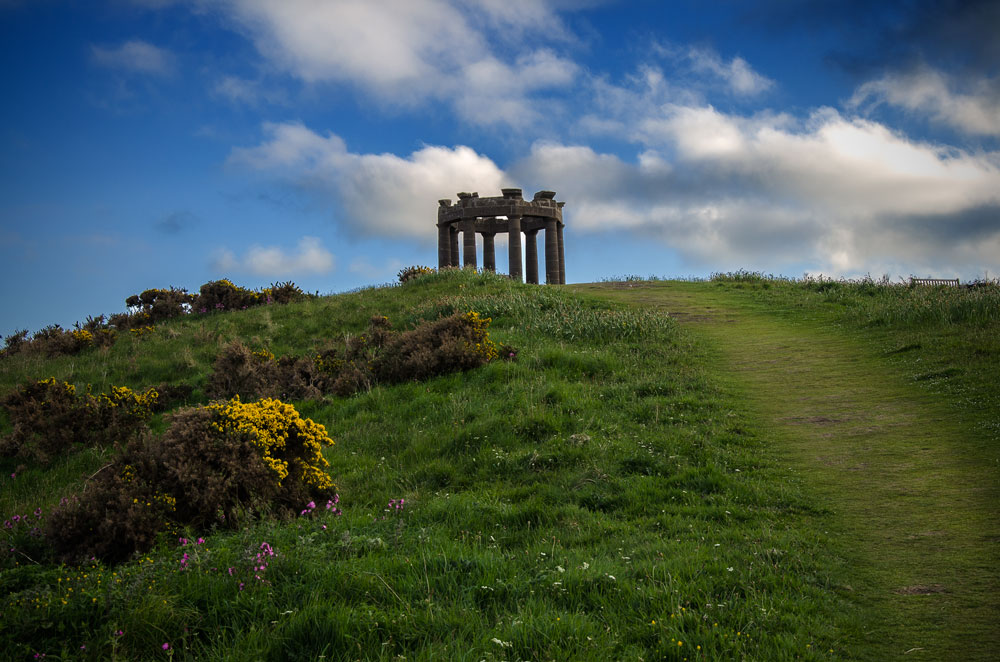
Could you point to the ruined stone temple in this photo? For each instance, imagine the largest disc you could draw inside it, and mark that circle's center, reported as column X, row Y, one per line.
column 512, row 214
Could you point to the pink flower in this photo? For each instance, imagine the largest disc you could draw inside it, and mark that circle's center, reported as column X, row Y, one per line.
column 200, row 541
column 165, row 647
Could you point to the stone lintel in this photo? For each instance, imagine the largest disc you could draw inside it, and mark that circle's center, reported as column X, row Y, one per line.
column 492, row 224
column 498, row 207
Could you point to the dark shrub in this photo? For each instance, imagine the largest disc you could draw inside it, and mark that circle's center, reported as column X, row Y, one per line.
column 171, row 395
column 157, row 305
column 410, row 273
column 287, row 292
column 48, row 418
column 119, row 512
column 452, row 344
column 15, row 342
column 240, row 371
column 224, row 295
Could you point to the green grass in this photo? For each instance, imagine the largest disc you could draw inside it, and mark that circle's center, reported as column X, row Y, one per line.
column 610, row 495
column 888, row 416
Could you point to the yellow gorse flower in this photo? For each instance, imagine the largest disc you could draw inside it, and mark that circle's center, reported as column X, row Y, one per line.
column 483, row 345
column 272, row 426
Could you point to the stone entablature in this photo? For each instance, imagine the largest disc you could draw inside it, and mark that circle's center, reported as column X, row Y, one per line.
column 509, row 213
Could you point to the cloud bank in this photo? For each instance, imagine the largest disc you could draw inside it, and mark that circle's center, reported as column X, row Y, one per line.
column 374, row 194
column 831, row 188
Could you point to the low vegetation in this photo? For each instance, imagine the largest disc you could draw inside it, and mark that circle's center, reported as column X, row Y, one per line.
column 570, row 484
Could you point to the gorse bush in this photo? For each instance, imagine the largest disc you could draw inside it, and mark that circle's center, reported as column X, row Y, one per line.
column 53, row 340
column 49, row 417
column 215, row 466
column 409, row 273
column 380, row 355
column 452, row 344
column 145, row 311
column 155, row 305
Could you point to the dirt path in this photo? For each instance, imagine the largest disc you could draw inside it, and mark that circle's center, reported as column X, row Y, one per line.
column 917, row 514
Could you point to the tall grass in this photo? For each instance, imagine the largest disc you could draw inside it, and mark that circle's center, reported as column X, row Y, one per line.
column 884, row 303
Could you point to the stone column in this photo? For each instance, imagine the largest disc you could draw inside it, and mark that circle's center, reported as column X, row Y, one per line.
column 453, row 229
column 531, row 256
column 562, row 257
column 469, row 244
column 489, row 255
column 444, row 246
column 514, row 247
column 551, row 252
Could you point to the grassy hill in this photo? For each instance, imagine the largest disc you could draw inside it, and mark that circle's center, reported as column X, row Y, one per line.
column 604, row 496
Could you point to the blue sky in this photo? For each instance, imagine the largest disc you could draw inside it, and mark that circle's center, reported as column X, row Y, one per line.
column 154, row 143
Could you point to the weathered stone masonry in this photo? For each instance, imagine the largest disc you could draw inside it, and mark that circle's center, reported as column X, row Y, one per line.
column 474, row 215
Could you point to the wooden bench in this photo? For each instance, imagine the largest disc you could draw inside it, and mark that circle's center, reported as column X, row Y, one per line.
column 934, row 281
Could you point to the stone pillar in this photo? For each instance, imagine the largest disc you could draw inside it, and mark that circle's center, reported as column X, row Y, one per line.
column 469, row 244
column 489, row 255
column 455, row 256
column 562, row 257
column 444, row 246
column 514, row 247
column 551, row 252
column 531, row 256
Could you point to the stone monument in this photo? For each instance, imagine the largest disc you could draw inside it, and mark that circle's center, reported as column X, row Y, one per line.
column 512, row 214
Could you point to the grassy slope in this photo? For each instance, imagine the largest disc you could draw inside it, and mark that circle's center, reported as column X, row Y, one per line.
column 604, row 497
column 662, row 530
column 901, row 445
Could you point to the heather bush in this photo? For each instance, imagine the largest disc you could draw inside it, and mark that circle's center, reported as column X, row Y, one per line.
column 409, row 273
column 48, row 418
column 217, row 465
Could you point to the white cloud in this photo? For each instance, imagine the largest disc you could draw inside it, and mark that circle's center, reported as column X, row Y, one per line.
column 930, row 92
column 737, row 73
column 846, row 195
column 493, row 92
column 136, row 56
column 273, row 262
column 378, row 194
column 407, row 52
